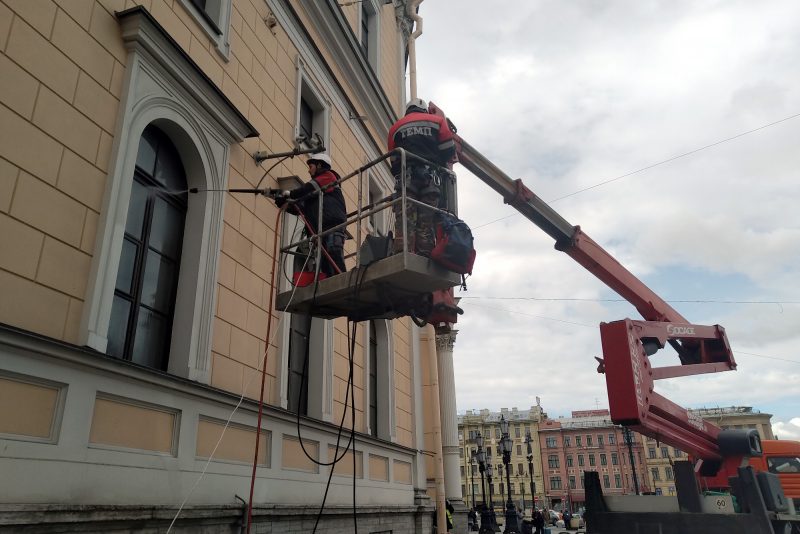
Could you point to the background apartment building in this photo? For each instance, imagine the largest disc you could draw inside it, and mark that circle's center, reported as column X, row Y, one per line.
column 134, row 314
column 562, row 450
column 738, row 417
column 589, row 441
column 660, row 471
column 522, row 423
column 586, row 441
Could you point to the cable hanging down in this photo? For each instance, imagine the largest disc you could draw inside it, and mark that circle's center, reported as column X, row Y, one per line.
column 262, row 367
column 270, row 193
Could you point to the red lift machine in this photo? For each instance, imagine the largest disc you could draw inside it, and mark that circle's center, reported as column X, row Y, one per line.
column 630, row 376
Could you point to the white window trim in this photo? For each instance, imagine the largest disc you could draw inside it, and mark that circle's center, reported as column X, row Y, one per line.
column 321, row 336
column 304, row 80
column 320, row 344
column 384, row 188
column 221, row 40
column 373, row 47
column 163, row 87
column 385, row 377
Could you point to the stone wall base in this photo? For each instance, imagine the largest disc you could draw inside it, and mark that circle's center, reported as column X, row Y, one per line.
column 222, row 519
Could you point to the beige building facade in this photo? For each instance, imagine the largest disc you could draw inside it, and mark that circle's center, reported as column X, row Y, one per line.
column 660, row 470
column 135, row 314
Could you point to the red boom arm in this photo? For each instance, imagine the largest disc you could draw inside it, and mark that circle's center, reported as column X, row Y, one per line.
column 627, row 344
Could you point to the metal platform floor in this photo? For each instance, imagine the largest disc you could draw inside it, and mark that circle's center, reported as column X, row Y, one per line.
column 386, row 289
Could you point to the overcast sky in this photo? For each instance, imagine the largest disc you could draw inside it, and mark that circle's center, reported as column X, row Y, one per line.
column 566, row 95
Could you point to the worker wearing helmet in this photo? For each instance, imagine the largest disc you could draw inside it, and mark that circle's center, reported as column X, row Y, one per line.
column 428, row 136
column 324, row 184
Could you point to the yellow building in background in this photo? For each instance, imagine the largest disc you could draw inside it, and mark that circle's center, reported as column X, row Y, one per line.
column 522, row 423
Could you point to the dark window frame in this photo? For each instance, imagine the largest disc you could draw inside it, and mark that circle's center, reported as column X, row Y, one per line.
column 298, row 331
column 373, row 379
column 202, row 8
column 155, row 191
column 365, row 20
column 306, row 122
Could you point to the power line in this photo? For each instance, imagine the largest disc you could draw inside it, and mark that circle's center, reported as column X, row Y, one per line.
column 535, row 316
column 764, row 356
column 678, row 156
column 668, row 160
column 595, row 326
column 696, row 301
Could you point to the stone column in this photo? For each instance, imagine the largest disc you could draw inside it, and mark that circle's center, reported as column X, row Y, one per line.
column 445, row 339
column 421, row 499
column 447, row 402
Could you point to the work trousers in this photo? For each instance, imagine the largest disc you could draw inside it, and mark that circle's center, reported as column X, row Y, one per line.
column 333, row 243
column 422, row 185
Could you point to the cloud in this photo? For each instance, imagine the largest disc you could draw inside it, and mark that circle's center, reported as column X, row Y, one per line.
column 569, row 95
column 788, row 430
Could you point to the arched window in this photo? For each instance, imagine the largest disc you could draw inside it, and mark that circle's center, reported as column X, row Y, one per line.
column 147, row 281
column 164, row 90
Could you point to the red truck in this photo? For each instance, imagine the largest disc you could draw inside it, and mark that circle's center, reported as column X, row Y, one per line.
column 781, row 457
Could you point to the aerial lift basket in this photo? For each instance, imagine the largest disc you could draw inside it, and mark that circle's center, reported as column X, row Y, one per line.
column 382, row 285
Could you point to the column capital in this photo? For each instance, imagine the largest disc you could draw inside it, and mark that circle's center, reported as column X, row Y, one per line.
column 446, row 340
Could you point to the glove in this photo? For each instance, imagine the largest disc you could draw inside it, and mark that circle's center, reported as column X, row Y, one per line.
column 280, row 201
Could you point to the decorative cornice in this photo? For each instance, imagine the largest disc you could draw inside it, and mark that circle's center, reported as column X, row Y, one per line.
column 404, row 23
column 140, row 31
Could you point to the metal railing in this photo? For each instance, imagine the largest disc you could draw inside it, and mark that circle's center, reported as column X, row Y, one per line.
column 366, row 210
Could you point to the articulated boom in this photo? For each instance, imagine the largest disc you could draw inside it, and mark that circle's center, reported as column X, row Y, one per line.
column 630, row 379
column 627, row 344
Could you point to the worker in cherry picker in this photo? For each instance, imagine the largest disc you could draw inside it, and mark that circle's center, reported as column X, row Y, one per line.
column 427, row 136
column 324, row 184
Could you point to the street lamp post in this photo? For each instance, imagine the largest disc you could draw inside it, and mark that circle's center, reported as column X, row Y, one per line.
column 626, row 432
column 500, row 474
column 486, row 516
column 512, row 523
column 492, row 516
column 472, row 476
column 528, row 441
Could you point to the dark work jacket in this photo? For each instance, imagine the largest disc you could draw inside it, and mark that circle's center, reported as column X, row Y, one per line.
column 424, row 134
column 334, row 211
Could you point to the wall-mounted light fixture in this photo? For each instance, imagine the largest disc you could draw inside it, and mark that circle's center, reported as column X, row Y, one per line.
column 271, row 21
